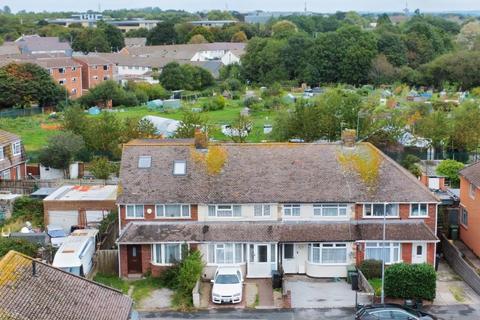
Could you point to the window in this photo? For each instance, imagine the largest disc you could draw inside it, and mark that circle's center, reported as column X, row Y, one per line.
column 419, row 210
column 74, row 91
column 224, row 210
column 167, row 253
column 179, row 167
column 134, row 211
column 61, row 82
column 464, row 217
column 288, row 251
column 144, row 162
column 226, row 253
column 330, row 210
column 380, row 209
column 471, row 190
column 327, row 253
column 291, row 210
column 95, row 67
column 172, row 210
column 74, row 80
column 5, row 175
column 74, row 68
column 95, row 77
column 261, row 210
column 17, row 148
column 391, row 251
column 2, row 154
column 105, row 67
column 105, row 78
column 61, row 70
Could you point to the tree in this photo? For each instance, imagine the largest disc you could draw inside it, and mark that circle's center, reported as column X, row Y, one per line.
column 466, row 126
column 113, row 35
column 175, row 76
column 382, row 72
column 75, row 120
column 450, row 169
column 436, row 127
column 91, row 40
column 295, row 56
column 138, row 129
column 197, row 39
column 468, row 34
column 108, row 91
column 205, row 32
column 104, row 136
column 219, row 15
column 190, row 121
column 410, row 162
column 25, row 84
column 162, row 33
column 61, row 151
column 102, row 168
column 393, row 47
column 284, row 29
column 172, row 77
column 239, row 36
column 240, row 128
column 21, row 245
column 137, row 33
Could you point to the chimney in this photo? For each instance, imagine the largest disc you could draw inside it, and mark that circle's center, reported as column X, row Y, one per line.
column 201, row 139
column 348, row 137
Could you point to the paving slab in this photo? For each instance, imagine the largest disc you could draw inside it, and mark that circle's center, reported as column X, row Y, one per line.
column 158, row 300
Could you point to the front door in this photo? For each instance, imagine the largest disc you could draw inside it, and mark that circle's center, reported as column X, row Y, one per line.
column 134, row 259
column 262, row 258
column 294, row 256
column 419, row 253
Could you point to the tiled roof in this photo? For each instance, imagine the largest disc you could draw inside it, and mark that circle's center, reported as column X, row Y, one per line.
column 135, row 42
column 259, row 231
column 35, row 43
column 260, row 173
column 185, row 51
column 9, row 48
column 472, row 173
column 56, row 62
column 7, row 137
column 93, row 60
column 30, row 289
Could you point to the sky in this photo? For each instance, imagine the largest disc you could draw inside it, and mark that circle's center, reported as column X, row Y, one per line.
column 246, row 5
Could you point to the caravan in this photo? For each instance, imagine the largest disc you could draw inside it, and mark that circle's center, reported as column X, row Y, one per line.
column 75, row 255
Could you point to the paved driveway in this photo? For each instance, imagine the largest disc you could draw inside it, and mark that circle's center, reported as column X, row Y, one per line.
column 319, row 293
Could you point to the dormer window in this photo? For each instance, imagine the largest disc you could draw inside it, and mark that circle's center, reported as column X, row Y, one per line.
column 17, row 148
column 2, row 156
column 144, row 162
column 179, row 167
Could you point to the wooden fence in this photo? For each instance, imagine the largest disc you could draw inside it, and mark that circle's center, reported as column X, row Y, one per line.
column 109, row 237
column 106, row 261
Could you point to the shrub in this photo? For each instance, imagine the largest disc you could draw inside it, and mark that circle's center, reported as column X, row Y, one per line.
column 217, row 103
column 450, row 168
column 20, row 245
column 410, row 281
column 250, row 101
column 371, row 268
column 28, row 209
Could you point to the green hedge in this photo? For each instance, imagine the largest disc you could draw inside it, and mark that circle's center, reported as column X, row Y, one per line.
column 407, row 281
column 371, row 268
column 20, row 245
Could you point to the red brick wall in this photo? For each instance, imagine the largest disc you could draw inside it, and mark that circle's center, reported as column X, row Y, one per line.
column 68, row 76
column 13, row 172
column 151, row 216
column 470, row 234
column 123, row 261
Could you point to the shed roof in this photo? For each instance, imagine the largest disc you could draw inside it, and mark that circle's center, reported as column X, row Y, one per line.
column 84, row 193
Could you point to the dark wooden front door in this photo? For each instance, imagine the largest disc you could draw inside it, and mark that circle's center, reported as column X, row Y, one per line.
column 134, row 259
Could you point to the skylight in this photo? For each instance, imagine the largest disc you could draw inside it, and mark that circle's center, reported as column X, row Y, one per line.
column 144, row 162
column 179, row 167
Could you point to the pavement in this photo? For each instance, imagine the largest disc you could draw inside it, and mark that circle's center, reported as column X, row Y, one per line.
column 158, row 300
column 452, row 290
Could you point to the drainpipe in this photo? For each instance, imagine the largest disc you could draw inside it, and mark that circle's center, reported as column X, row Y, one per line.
column 383, row 253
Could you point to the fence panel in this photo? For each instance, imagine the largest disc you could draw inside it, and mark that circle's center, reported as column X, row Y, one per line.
column 107, row 261
column 13, row 112
column 459, row 265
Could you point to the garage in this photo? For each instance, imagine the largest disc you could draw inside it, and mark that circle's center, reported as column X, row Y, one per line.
column 64, row 219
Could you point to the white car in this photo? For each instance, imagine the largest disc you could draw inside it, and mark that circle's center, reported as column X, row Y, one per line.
column 227, row 285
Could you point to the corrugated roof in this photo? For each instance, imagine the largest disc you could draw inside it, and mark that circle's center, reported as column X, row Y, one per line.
column 30, row 289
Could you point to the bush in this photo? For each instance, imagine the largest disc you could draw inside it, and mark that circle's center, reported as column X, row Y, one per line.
column 250, row 101
column 28, row 209
column 410, row 281
column 371, row 268
column 217, row 103
column 20, row 245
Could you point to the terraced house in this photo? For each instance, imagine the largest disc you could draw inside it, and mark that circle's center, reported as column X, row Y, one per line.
column 301, row 208
column 12, row 157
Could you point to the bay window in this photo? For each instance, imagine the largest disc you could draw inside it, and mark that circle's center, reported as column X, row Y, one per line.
column 226, row 253
column 134, row 211
column 223, row 210
column 327, row 253
column 380, row 209
column 172, row 210
column 330, row 210
column 291, row 210
column 419, row 210
column 378, row 251
column 168, row 253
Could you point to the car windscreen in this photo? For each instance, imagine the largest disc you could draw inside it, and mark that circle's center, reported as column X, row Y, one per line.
column 56, row 233
column 227, row 279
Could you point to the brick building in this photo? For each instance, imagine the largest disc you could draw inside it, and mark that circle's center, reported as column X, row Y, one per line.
column 469, row 212
column 65, row 71
column 299, row 208
column 12, row 157
column 95, row 70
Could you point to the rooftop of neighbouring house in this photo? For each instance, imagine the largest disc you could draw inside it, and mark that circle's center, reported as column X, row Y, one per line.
column 472, row 173
column 83, row 193
column 135, row 42
column 184, row 51
column 7, row 137
column 264, row 173
column 37, row 43
column 30, row 289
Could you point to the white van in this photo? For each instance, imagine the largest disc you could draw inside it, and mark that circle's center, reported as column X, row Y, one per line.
column 75, row 255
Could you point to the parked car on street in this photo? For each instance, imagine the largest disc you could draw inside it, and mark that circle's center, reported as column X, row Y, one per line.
column 391, row 312
column 227, row 285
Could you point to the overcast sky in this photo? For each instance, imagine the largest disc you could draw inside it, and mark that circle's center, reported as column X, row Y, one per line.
column 245, row 5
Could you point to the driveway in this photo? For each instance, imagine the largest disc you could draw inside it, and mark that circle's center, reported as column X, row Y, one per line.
column 452, row 290
column 319, row 293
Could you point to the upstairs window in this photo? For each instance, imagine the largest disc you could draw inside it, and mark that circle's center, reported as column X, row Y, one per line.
column 380, row 210
column 224, row 210
column 74, row 80
column 179, row 167
column 144, row 162
column 464, row 217
column 61, row 70
column 330, row 210
column 134, row 211
column 471, row 190
column 2, row 155
column 74, row 68
column 105, row 67
column 291, row 210
column 419, row 210
column 261, row 210
column 17, row 148
column 172, row 210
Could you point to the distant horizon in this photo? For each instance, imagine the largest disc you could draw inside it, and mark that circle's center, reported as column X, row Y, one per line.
column 243, row 6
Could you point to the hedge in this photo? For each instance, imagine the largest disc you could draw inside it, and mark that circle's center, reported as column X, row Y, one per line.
column 20, row 245
column 410, row 281
column 371, row 268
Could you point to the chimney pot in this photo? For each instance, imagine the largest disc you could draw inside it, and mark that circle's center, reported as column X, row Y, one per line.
column 201, row 139
column 348, row 137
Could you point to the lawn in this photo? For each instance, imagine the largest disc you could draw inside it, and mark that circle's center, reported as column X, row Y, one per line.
column 112, row 281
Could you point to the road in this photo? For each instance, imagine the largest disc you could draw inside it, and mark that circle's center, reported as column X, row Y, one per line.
column 463, row 312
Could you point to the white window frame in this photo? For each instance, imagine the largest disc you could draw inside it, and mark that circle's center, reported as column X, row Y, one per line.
column 289, row 210
column 372, row 206
column 319, row 210
column 135, row 208
column 5, row 175
column 464, row 217
column 179, row 167
column 471, row 190
column 74, row 80
column 145, row 158
column 262, row 210
column 15, row 145
column 320, row 247
column 2, row 154
column 162, row 261
column 185, row 210
column 225, row 210
column 74, row 68
column 218, row 246
column 419, row 206
column 62, row 70
column 391, row 250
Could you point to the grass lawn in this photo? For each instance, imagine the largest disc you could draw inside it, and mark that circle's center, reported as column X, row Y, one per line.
column 112, row 281
column 376, row 284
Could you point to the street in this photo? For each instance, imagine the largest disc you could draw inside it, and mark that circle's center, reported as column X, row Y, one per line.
column 464, row 312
